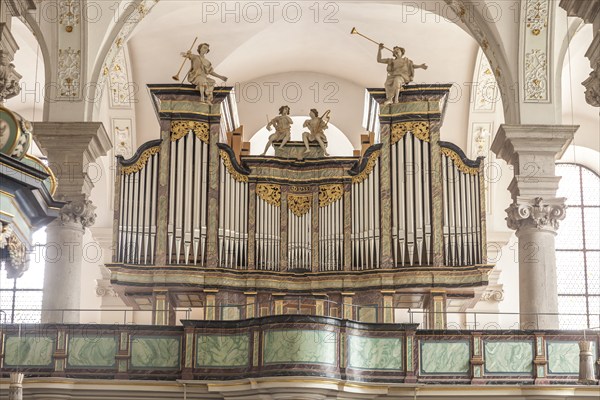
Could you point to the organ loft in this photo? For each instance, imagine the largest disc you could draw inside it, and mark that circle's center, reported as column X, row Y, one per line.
column 200, row 223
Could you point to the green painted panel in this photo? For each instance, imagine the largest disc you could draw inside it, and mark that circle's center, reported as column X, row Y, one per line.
column 375, row 353
column 29, row 351
column 222, row 351
column 508, row 357
column 563, row 357
column 155, row 352
column 444, row 357
column 92, row 352
column 301, row 346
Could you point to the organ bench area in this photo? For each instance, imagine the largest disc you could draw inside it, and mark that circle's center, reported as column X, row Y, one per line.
column 199, row 225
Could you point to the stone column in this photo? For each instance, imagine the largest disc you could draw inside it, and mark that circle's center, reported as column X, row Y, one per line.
column 71, row 149
column 535, row 213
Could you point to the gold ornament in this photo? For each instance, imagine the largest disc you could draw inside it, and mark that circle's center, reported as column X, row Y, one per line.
column 299, row 204
column 329, row 194
column 227, row 162
column 181, row 128
column 269, row 193
column 458, row 162
column 141, row 162
column 368, row 168
column 420, row 130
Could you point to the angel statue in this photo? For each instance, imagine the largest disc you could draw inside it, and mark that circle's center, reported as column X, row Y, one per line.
column 283, row 125
column 400, row 70
column 316, row 126
column 200, row 72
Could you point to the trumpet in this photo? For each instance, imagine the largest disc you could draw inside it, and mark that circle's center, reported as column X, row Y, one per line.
column 176, row 76
column 355, row 32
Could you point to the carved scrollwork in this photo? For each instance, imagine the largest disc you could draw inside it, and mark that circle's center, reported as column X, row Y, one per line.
column 181, row 128
column 141, row 162
column 458, row 162
column 16, row 264
column 234, row 173
column 368, row 168
column 79, row 211
column 592, row 87
column 495, row 295
column 536, row 213
column 420, row 129
column 329, row 194
column 269, row 193
column 299, row 204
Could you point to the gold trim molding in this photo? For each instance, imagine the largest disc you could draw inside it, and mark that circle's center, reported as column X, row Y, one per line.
column 299, row 204
column 269, row 193
column 329, row 194
column 420, row 129
column 227, row 162
column 141, row 162
column 368, row 168
column 458, row 162
column 181, row 128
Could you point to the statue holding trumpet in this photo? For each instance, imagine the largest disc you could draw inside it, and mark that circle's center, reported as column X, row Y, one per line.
column 400, row 70
column 201, row 71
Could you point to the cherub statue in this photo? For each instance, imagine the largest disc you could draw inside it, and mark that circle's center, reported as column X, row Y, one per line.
column 400, row 70
column 283, row 125
column 199, row 72
column 316, row 126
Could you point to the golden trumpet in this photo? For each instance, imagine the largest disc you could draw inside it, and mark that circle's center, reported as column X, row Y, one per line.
column 176, row 76
column 354, row 31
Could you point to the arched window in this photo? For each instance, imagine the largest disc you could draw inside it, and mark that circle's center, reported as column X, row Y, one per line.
column 578, row 248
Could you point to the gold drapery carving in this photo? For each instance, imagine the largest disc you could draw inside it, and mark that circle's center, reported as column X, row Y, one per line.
column 420, row 129
column 141, row 162
column 181, row 128
column 269, row 193
column 299, row 204
column 458, row 162
column 368, row 168
column 227, row 162
column 329, row 194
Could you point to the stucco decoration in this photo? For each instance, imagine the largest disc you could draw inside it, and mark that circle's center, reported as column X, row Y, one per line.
column 70, row 11
column 537, row 16
column 69, row 73
column 535, row 45
column 536, row 75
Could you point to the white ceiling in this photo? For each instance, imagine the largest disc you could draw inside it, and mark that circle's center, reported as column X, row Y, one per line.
column 279, row 50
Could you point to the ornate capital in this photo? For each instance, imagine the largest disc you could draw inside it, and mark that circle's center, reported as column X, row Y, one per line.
column 79, row 211
column 592, row 86
column 536, row 213
column 9, row 78
column 14, row 252
column 104, row 288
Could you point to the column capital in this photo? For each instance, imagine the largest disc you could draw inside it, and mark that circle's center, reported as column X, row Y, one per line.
column 79, row 211
column 70, row 147
column 536, row 213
